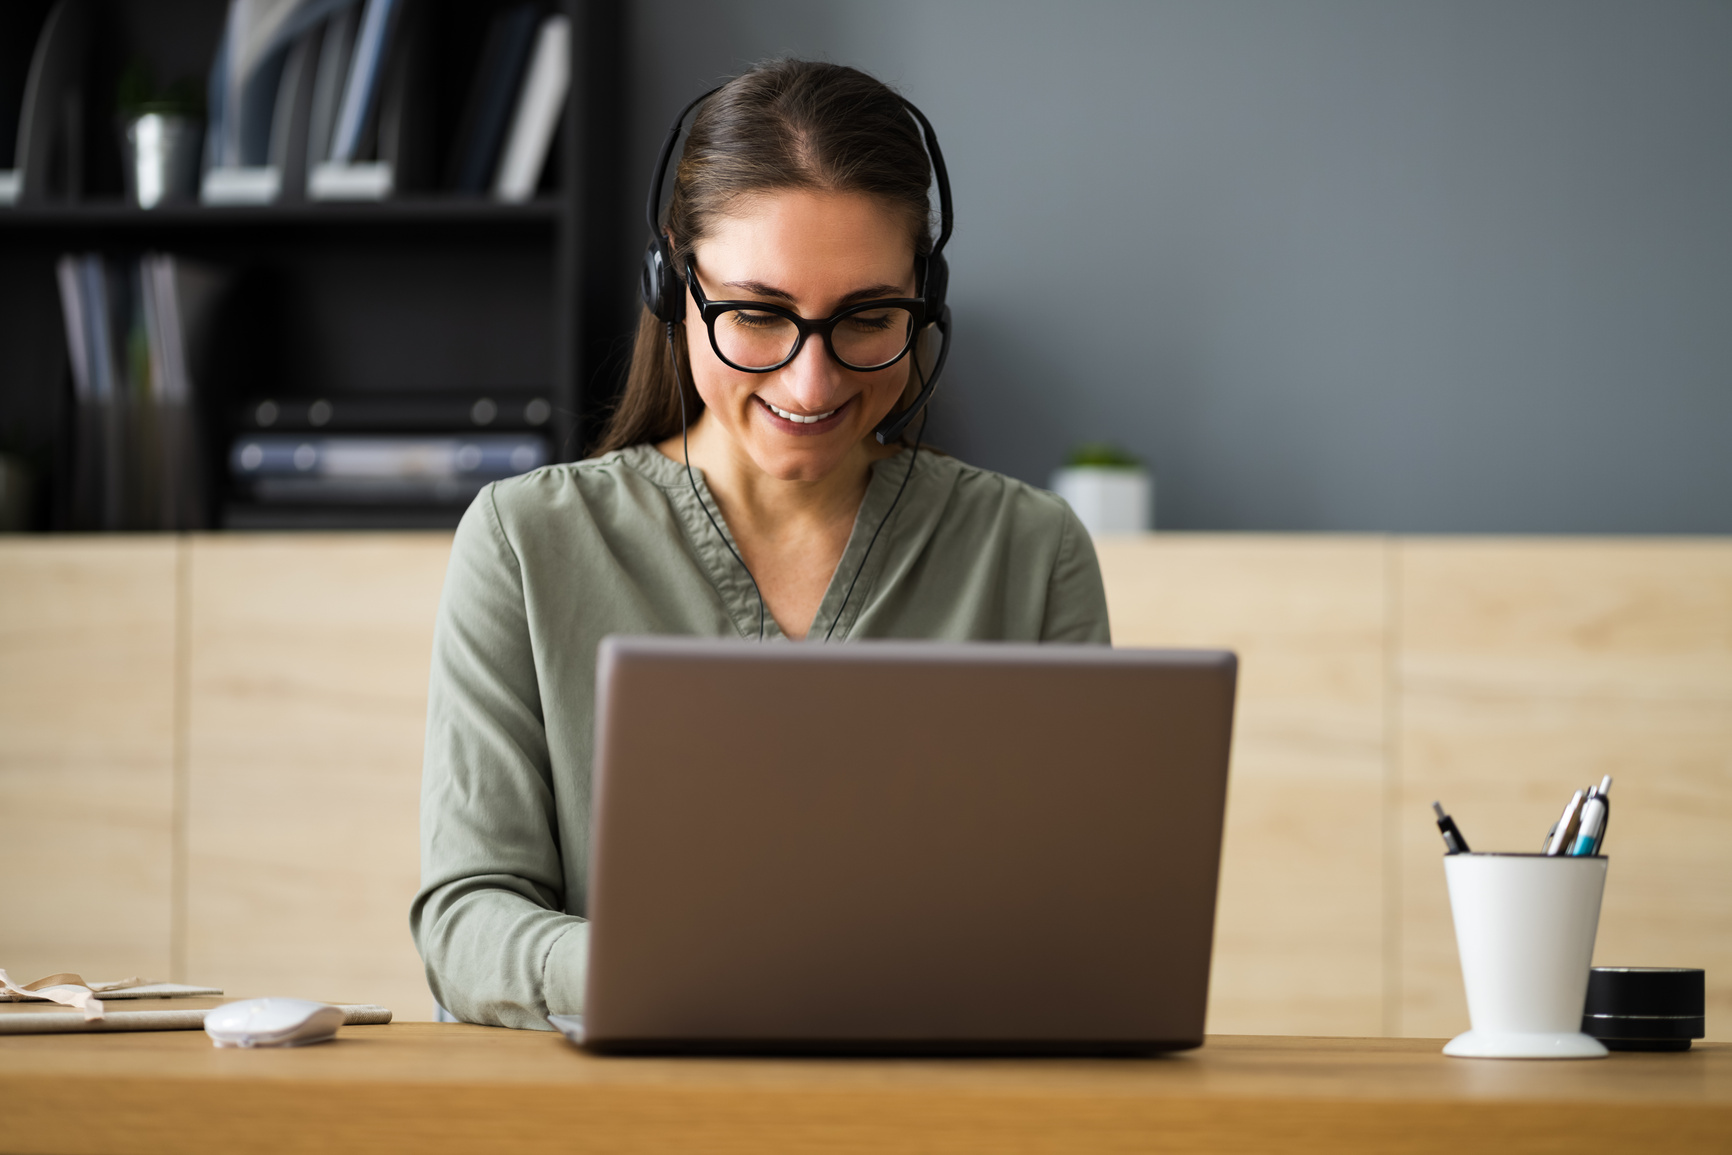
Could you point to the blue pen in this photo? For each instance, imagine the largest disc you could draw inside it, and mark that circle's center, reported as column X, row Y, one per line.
column 1591, row 831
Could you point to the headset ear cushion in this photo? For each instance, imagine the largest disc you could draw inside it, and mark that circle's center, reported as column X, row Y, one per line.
column 662, row 292
column 649, row 281
column 937, row 283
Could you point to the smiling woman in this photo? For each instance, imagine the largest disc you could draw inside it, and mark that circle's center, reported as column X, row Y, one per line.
column 755, row 482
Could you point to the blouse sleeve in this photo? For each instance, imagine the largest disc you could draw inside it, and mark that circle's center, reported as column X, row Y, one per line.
column 489, row 920
column 1076, row 601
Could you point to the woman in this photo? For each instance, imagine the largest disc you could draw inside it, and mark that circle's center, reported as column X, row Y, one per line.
column 776, row 513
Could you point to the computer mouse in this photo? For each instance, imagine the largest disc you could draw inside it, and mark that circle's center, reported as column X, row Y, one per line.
column 272, row 1023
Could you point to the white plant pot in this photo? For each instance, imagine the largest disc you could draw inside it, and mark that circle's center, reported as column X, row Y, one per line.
column 1108, row 500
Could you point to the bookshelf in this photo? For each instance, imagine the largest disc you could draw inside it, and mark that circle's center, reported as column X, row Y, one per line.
column 419, row 299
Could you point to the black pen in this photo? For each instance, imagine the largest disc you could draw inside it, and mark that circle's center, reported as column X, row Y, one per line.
column 1451, row 835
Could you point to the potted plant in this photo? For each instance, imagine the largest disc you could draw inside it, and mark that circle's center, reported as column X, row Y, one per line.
column 161, row 131
column 1110, row 490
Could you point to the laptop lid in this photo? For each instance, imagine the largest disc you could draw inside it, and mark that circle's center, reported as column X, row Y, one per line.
column 904, row 847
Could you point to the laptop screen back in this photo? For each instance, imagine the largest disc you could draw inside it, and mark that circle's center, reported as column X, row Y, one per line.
column 904, row 847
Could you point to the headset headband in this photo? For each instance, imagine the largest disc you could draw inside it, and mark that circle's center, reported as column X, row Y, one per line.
column 652, row 210
column 941, row 175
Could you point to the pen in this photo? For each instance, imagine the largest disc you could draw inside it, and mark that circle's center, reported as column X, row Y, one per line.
column 1566, row 827
column 1451, row 834
column 1592, row 830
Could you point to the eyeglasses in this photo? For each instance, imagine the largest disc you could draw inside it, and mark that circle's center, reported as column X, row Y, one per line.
column 758, row 337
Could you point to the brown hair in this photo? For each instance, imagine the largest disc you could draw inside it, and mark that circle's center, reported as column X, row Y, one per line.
column 787, row 124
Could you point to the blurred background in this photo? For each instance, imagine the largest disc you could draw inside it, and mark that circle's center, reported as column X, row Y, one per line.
column 1460, row 266
column 1324, row 265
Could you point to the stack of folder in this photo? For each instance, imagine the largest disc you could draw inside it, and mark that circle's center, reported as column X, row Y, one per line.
column 416, row 450
column 332, row 100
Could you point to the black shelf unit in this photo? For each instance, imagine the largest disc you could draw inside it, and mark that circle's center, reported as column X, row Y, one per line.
column 100, row 222
column 424, row 294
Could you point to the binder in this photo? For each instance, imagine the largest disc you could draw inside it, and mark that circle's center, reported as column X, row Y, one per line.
column 288, row 146
column 97, row 479
column 405, row 119
column 49, row 156
column 335, row 47
column 388, row 86
column 132, row 332
column 486, row 112
column 260, row 99
column 361, row 88
column 539, row 105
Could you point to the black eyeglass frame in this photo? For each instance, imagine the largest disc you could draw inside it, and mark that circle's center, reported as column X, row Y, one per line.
column 710, row 310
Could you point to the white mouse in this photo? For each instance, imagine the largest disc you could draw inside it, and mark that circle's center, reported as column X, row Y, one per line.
column 272, row 1023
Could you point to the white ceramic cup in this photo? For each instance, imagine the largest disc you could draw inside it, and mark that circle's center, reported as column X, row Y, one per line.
column 1524, row 924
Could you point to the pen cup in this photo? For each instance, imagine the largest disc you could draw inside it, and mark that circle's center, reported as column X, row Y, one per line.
column 1524, row 924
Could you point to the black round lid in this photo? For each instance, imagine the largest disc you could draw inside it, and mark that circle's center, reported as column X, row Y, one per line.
column 1644, row 991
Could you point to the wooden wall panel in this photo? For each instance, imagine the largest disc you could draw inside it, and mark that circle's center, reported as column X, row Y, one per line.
column 1515, row 669
column 308, row 673
column 1299, row 937
column 1529, row 668
column 87, row 733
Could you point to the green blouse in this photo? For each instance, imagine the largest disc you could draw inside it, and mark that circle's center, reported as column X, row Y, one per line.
column 546, row 565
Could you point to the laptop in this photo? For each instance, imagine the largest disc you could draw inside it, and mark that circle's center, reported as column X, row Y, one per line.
column 904, row 848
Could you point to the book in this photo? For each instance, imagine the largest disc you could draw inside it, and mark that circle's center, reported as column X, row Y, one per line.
column 486, row 111
column 361, row 86
column 539, row 104
column 183, row 1013
column 138, row 991
column 335, row 48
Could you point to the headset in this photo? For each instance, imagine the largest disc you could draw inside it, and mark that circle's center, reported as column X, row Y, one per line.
column 664, row 295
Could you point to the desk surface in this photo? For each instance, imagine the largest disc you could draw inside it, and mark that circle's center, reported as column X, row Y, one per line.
column 428, row 1087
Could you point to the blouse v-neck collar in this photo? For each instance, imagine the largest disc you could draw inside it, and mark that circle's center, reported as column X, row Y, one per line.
column 728, row 575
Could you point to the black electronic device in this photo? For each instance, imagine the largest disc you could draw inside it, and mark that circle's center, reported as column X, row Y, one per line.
column 1645, row 1008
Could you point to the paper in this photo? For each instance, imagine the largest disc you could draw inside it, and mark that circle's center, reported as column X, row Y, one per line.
column 68, row 989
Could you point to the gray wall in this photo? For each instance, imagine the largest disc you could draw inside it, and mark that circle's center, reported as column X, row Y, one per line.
column 1451, row 266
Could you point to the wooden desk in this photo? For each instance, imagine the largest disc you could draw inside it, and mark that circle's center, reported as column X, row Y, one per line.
column 429, row 1088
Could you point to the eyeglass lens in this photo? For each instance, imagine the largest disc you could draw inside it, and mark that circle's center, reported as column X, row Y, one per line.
column 870, row 339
